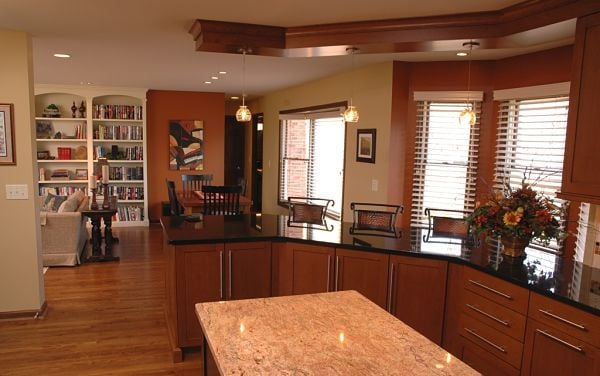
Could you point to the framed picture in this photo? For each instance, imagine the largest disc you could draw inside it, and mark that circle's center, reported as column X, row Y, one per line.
column 186, row 145
column 7, row 135
column 81, row 174
column 365, row 145
column 43, row 154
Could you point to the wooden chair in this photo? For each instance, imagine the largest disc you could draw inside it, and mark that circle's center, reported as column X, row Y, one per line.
column 222, row 200
column 308, row 209
column 195, row 182
column 374, row 217
column 173, row 203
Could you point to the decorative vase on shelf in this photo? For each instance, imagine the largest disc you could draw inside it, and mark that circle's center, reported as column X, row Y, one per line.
column 513, row 246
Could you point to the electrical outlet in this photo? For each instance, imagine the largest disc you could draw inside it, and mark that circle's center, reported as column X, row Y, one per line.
column 16, row 192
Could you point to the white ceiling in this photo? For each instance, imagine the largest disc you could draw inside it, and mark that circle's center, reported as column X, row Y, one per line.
column 145, row 43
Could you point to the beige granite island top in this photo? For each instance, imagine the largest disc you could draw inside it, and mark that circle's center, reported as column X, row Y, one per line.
column 336, row 333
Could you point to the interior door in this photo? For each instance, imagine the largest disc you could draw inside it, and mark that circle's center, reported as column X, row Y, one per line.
column 235, row 137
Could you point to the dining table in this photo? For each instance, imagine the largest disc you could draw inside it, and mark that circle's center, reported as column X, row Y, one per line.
column 193, row 202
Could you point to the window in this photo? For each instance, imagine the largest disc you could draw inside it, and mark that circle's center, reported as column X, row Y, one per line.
column 312, row 156
column 531, row 143
column 445, row 159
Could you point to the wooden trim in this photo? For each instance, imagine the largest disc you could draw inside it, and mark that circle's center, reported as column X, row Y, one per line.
column 315, row 108
column 27, row 314
column 391, row 35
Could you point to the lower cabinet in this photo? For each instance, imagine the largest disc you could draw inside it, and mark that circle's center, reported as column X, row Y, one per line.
column 417, row 294
column 365, row 272
column 210, row 272
column 482, row 361
column 305, row 269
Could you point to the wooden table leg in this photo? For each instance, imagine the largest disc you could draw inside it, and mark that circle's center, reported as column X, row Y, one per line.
column 109, row 240
column 96, row 240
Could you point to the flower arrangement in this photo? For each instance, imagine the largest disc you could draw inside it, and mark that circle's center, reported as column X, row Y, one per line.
column 520, row 213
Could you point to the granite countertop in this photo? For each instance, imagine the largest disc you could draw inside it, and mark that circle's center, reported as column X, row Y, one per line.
column 336, row 333
column 565, row 280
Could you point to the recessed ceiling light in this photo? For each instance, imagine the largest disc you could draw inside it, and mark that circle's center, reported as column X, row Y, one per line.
column 214, row 77
column 222, row 72
column 235, row 97
column 62, row 56
column 207, row 82
column 461, row 54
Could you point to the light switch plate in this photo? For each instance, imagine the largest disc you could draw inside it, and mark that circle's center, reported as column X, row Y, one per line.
column 16, row 192
column 374, row 185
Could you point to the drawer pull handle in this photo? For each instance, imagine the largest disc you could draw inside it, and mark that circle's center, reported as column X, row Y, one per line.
column 221, row 274
column 328, row 270
column 491, row 289
column 478, row 310
column 547, row 313
column 571, row 346
column 499, row 348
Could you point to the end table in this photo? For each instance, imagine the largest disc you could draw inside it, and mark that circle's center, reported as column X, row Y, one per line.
column 96, row 217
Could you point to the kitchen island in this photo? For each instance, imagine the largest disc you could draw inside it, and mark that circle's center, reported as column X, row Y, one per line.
column 337, row 333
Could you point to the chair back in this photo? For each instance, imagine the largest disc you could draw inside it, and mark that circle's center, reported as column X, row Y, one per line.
column 448, row 223
column 308, row 209
column 375, row 217
column 173, row 203
column 222, row 200
column 195, row 182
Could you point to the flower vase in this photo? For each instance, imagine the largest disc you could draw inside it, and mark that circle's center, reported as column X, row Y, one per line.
column 514, row 246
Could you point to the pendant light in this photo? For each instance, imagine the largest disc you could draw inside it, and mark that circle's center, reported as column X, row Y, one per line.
column 351, row 113
column 467, row 116
column 243, row 114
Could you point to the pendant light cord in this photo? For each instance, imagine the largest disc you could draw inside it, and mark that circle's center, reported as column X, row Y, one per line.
column 244, row 77
column 469, row 74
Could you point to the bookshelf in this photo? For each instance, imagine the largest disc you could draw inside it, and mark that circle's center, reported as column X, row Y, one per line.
column 94, row 122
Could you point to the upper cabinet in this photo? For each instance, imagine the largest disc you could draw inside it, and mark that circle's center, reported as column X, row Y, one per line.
column 581, row 180
column 77, row 124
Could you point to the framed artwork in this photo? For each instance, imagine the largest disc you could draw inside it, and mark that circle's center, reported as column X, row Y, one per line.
column 186, row 145
column 366, row 145
column 7, row 135
column 81, row 174
column 43, row 154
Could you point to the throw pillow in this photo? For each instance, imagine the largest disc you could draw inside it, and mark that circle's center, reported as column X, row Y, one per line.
column 69, row 205
column 52, row 203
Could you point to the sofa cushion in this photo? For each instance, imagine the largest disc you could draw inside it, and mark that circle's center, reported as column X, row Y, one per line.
column 72, row 202
column 52, row 203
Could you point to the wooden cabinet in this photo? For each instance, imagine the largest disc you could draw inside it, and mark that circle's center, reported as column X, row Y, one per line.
column 305, row 269
column 482, row 361
column 560, row 340
column 365, row 272
column 210, row 272
column 417, row 293
column 581, row 182
column 248, row 271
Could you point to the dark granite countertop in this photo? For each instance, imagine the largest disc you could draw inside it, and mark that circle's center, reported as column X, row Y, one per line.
column 568, row 281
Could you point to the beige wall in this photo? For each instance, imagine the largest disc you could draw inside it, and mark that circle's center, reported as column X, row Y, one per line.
column 21, row 279
column 372, row 96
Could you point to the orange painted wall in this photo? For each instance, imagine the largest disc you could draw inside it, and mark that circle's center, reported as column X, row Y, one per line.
column 540, row 68
column 163, row 106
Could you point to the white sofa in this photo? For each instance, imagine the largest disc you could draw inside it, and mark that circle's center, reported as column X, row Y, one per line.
column 64, row 236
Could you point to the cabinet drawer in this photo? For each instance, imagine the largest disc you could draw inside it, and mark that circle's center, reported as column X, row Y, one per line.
column 484, row 362
column 496, row 316
column 570, row 320
column 500, row 345
column 496, row 290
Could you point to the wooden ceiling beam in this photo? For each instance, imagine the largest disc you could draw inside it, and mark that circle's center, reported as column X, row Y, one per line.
column 383, row 36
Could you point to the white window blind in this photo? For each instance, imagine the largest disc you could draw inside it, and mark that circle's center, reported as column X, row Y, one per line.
column 312, row 158
column 445, row 159
column 531, row 143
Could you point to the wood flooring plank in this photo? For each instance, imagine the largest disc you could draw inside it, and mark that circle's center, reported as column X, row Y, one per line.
column 103, row 319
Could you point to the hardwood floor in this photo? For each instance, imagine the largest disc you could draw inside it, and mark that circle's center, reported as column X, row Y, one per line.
column 103, row 318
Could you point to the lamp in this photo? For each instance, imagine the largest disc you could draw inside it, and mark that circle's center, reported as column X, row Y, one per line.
column 351, row 113
column 467, row 116
column 243, row 114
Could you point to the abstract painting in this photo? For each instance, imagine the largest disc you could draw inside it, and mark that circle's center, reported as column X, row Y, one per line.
column 186, row 145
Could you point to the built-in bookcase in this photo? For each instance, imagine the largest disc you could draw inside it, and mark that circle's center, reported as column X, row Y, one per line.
column 94, row 122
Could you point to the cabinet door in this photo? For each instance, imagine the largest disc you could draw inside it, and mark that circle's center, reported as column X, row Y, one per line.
column 365, row 272
column 418, row 294
column 305, row 269
column 248, row 272
column 581, row 181
column 549, row 351
column 199, row 279
column 484, row 362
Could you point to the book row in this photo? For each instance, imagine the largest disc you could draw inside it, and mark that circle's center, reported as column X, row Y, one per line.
column 126, row 173
column 124, row 193
column 60, row 191
column 118, row 132
column 134, row 153
column 117, row 111
column 129, row 213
